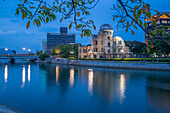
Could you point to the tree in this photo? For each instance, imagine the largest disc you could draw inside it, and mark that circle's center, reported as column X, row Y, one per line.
column 38, row 53
column 31, row 53
column 66, row 50
column 131, row 13
column 43, row 56
column 135, row 46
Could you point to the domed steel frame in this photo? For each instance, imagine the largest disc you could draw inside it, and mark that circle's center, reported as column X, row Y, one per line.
column 106, row 26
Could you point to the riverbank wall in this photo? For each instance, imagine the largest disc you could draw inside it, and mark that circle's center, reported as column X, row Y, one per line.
column 112, row 64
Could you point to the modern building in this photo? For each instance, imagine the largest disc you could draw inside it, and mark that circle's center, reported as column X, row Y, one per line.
column 44, row 45
column 64, row 38
column 160, row 20
column 160, row 43
column 63, row 29
column 104, row 45
column 6, row 51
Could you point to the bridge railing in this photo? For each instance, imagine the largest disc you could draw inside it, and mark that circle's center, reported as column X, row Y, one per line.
column 19, row 55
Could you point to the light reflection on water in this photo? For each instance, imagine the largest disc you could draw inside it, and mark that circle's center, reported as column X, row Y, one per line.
column 6, row 73
column 29, row 73
column 71, row 81
column 90, row 81
column 23, row 76
column 57, row 73
column 101, row 90
column 122, row 87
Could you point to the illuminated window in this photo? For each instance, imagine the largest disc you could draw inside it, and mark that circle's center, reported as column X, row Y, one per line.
column 164, row 21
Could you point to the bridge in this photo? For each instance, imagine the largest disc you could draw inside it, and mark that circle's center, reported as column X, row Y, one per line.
column 12, row 58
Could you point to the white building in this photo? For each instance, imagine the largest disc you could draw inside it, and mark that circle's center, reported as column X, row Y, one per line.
column 104, row 45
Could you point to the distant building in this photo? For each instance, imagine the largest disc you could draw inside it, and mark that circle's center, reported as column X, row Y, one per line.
column 104, row 45
column 63, row 30
column 6, row 51
column 44, row 46
column 64, row 38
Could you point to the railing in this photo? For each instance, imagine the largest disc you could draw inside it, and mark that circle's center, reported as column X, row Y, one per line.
column 19, row 55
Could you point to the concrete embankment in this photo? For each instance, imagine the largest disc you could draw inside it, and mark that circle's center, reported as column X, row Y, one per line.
column 112, row 64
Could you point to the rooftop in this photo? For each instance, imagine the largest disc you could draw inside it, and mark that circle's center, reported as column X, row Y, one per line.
column 162, row 15
column 106, row 27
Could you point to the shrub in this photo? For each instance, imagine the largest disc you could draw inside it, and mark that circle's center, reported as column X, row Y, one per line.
column 43, row 56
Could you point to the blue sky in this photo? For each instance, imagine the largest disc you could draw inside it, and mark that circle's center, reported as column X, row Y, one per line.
column 14, row 35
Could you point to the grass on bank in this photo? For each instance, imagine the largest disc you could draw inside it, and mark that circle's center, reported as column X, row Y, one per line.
column 125, row 59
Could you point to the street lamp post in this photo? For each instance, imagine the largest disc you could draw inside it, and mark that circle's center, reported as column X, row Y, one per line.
column 23, row 50
column 29, row 51
column 6, row 49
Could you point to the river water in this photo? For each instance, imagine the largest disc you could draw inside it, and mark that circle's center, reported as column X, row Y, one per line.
column 51, row 88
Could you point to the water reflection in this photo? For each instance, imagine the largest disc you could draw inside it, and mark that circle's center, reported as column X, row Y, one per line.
column 57, row 73
column 103, row 90
column 29, row 73
column 158, row 92
column 90, row 81
column 23, row 76
column 71, row 81
column 6, row 73
column 122, row 87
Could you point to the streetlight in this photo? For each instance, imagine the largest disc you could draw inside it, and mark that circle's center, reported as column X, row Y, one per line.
column 6, row 49
column 29, row 51
column 72, row 52
column 23, row 50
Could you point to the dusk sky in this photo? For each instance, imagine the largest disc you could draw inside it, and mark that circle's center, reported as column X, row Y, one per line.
column 14, row 35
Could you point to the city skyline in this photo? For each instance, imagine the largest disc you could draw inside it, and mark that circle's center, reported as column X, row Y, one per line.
column 14, row 35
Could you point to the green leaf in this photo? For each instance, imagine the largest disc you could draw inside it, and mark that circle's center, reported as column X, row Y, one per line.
column 153, row 22
column 47, row 19
column 145, row 24
column 164, row 32
column 140, row 22
column 148, row 49
column 17, row 12
column 149, row 14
